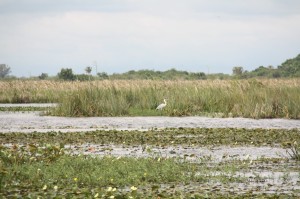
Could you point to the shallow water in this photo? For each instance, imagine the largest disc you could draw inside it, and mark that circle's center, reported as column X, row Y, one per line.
column 262, row 177
column 33, row 121
column 221, row 153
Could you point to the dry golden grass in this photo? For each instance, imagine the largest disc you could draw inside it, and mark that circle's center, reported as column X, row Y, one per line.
column 248, row 98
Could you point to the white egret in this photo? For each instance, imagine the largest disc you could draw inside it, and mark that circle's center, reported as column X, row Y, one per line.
column 161, row 106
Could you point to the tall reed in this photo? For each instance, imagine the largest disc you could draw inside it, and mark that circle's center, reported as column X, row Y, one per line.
column 92, row 102
column 236, row 98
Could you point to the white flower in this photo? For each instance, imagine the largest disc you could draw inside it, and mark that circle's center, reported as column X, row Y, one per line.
column 96, row 195
column 109, row 189
column 133, row 188
column 55, row 188
column 44, row 187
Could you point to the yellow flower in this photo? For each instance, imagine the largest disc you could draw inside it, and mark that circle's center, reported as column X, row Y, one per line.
column 44, row 187
column 96, row 195
column 112, row 197
column 133, row 188
column 109, row 189
column 75, row 179
column 55, row 188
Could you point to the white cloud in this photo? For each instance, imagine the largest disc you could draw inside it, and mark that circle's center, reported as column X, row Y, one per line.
column 189, row 35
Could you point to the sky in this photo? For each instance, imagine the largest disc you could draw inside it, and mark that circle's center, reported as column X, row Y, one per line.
column 115, row 36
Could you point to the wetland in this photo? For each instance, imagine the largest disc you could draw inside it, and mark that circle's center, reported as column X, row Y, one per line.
column 227, row 139
column 147, row 157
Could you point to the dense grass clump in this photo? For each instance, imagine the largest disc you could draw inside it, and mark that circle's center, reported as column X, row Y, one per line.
column 234, row 98
column 48, row 171
column 252, row 99
column 92, row 102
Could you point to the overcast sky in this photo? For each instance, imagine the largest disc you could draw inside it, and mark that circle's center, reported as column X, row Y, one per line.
column 43, row 36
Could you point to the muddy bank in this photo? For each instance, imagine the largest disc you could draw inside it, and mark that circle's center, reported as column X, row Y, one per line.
column 33, row 121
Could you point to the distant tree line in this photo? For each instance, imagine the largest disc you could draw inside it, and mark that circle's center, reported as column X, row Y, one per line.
column 171, row 74
column 289, row 68
column 67, row 74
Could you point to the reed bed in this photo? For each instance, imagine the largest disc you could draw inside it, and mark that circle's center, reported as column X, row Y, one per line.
column 266, row 98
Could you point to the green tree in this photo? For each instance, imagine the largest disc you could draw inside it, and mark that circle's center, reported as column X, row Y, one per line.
column 237, row 70
column 66, row 74
column 262, row 71
column 4, row 70
column 276, row 74
column 43, row 76
column 291, row 67
column 88, row 70
column 200, row 75
column 103, row 75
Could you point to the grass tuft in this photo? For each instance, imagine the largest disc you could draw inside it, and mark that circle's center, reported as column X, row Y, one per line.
column 294, row 151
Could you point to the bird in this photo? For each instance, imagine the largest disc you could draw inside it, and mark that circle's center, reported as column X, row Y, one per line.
column 161, row 106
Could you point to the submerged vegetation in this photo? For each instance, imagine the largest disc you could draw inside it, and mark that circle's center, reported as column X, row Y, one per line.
column 226, row 98
column 41, row 175
column 36, row 165
column 182, row 136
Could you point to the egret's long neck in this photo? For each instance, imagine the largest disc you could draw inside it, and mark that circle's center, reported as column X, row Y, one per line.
column 165, row 101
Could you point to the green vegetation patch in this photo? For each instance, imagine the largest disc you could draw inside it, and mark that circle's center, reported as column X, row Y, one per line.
column 47, row 171
column 165, row 137
column 36, row 165
column 24, row 109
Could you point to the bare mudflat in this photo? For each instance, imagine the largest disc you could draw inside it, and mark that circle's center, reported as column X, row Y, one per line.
column 33, row 121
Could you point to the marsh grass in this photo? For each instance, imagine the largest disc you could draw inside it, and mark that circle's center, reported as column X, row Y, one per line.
column 92, row 102
column 25, row 109
column 47, row 171
column 36, row 165
column 234, row 98
column 166, row 137
column 85, row 175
